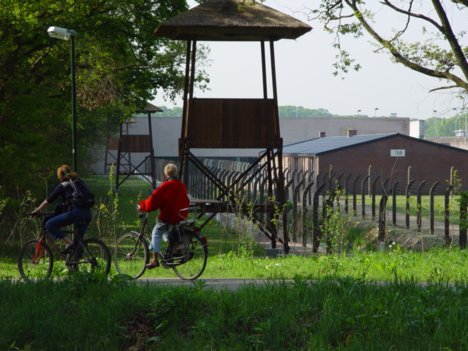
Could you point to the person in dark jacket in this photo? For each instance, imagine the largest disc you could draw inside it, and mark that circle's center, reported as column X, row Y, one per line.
column 170, row 197
column 66, row 212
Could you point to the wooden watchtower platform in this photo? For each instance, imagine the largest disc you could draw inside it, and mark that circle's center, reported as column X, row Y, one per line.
column 235, row 123
column 119, row 152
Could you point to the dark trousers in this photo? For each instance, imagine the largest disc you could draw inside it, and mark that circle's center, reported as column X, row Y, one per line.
column 81, row 217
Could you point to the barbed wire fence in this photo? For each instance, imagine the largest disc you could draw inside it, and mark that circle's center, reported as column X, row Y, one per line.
column 412, row 204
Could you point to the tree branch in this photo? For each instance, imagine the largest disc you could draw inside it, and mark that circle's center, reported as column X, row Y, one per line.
column 443, row 88
column 463, row 2
column 412, row 14
column 398, row 56
column 448, row 32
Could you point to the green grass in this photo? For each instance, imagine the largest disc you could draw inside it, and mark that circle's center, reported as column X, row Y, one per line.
column 130, row 192
column 439, row 207
column 232, row 254
column 437, row 265
column 332, row 314
column 393, row 300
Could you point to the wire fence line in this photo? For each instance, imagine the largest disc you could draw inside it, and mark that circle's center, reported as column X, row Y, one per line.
column 413, row 204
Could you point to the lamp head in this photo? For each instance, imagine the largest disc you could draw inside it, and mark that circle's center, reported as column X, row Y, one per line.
column 60, row 33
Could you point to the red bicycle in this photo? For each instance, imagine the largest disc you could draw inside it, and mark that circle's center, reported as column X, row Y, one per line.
column 36, row 259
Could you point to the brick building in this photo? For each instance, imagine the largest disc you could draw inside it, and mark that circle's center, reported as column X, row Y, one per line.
column 391, row 156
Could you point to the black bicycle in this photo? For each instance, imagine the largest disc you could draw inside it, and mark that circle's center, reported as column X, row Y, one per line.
column 183, row 250
column 36, row 259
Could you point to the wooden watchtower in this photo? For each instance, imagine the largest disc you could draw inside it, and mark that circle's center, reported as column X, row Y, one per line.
column 234, row 123
column 128, row 144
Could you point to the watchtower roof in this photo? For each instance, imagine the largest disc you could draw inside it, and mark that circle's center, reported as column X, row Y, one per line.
column 150, row 108
column 232, row 20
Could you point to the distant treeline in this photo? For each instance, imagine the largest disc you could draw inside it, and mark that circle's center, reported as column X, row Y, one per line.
column 434, row 126
column 284, row 112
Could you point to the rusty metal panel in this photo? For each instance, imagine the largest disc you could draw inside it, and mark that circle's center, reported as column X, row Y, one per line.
column 135, row 143
column 233, row 123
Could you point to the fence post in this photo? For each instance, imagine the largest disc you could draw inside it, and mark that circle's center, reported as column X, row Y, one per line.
column 294, row 210
column 374, row 182
column 463, row 219
column 382, row 220
column 363, row 196
column 394, row 193
column 354, row 195
column 338, row 187
column 315, row 218
column 306, row 176
column 300, row 175
column 408, row 194
column 294, row 175
column 346, row 208
column 304, row 212
column 311, row 179
column 286, row 189
column 286, row 173
column 431, row 205
column 384, row 186
column 448, row 192
column 327, row 208
column 419, row 207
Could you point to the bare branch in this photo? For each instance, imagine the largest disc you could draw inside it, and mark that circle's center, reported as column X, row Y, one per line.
column 444, row 88
column 398, row 56
column 411, row 14
column 408, row 20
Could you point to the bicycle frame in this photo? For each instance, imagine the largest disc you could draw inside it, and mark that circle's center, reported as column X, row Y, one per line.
column 132, row 247
column 44, row 248
column 39, row 252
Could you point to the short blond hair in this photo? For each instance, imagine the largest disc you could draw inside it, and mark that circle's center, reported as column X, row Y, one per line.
column 170, row 170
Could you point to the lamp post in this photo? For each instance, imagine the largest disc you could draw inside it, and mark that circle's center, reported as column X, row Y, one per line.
column 69, row 34
column 436, row 122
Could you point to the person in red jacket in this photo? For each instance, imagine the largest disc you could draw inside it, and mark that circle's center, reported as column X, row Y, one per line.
column 170, row 197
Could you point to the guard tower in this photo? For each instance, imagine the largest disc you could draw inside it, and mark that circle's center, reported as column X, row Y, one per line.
column 235, row 123
column 129, row 145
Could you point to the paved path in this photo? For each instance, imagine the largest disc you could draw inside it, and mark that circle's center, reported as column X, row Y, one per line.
column 216, row 284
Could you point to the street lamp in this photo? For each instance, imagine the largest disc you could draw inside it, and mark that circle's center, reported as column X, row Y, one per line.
column 69, row 34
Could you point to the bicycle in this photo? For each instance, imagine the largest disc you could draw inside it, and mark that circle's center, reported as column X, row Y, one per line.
column 36, row 259
column 183, row 250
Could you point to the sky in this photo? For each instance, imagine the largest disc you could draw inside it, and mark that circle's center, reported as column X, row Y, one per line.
column 304, row 74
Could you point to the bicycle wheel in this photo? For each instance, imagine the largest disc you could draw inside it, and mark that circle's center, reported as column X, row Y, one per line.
column 35, row 261
column 131, row 254
column 94, row 258
column 190, row 262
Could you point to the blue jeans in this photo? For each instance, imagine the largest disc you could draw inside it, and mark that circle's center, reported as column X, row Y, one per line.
column 79, row 216
column 158, row 231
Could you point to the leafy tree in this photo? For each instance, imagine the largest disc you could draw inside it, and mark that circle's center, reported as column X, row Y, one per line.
column 120, row 64
column 438, row 51
column 446, row 127
column 168, row 112
column 299, row 111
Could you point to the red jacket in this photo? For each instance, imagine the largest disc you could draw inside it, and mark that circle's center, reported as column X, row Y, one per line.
column 169, row 197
